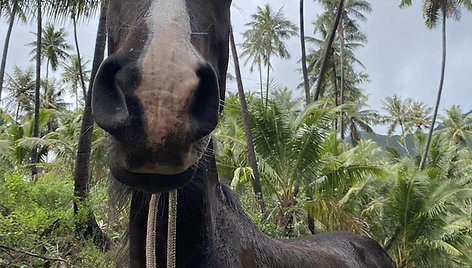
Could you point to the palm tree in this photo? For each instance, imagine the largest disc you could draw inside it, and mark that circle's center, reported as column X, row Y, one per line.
column 20, row 88
column 351, row 8
column 347, row 30
column 75, row 75
column 327, row 49
column 14, row 11
column 81, row 172
column 353, row 39
column 54, row 47
column 252, row 48
column 359, row 119
column 247, row 128
column 415, row 199
column 419, row 115
column 37, row 95
column 352, row 80
column 457, row 127
column 398, row 115
column 432, row 11
column 343, row 186
column 288, row 146
column 52, row 96
column 78, row 9
column 314, row 59
column 306, row 82
column 293, row 147
column 265, row 38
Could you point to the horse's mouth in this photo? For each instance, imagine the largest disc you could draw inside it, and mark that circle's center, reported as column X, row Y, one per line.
column 151, row 182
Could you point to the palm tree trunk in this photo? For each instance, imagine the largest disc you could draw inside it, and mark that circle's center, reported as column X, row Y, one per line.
column 438, row 98
column 302, row 42
column 17, row 112
column 341, row 88
column 256, row 183
column 354, row 133
column 268, row 80
column 336, row 94
column 7, row 43
column 35, row 153
column 77, row 97
column 310, row 215
column 79, row 59
column 260, row 80
column 327, row 50
column 89, row 228
column 392, row 239
column 47, row 69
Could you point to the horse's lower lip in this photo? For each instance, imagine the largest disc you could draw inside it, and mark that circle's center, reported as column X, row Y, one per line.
column 151, row 183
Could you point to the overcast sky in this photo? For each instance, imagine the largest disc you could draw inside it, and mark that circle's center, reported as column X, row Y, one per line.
column 401, row 57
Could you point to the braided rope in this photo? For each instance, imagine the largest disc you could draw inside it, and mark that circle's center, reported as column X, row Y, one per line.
column 171, row 231
column 151, row 232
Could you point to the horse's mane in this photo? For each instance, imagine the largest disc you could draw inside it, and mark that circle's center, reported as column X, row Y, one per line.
column 232, row 199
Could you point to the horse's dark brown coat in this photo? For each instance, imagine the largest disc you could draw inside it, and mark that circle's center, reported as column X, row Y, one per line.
column 212, row 229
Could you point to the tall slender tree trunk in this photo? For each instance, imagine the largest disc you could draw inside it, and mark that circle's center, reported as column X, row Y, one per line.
column 35, row 153
column 47, row 69
column 438, row 98
column 79, row 59
column 256, row 183
column 268, row 80
column 17, row 112
column 306, row 82
column 310, row 215
column 336, row 94
column 89, row 228
column 7, row 43
column 260, row 80
column 327, row 50
column 76, row 90
column 354, row 132
column 341, row 87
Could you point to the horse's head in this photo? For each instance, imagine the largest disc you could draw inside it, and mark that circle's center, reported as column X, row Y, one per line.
column 159, row 92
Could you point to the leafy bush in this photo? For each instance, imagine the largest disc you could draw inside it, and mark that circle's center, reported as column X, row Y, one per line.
column 37, row 226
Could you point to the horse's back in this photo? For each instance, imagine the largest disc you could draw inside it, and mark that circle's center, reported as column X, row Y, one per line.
column 355, row 250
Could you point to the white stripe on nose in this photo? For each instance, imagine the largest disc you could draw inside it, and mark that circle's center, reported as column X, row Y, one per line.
column 169, row 13
column 169, row 78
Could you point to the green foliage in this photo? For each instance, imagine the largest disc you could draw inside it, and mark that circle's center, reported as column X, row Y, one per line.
column 423, row 218
column 362, row 188
column 38, row 218
column 54, row 46
column 435, row 9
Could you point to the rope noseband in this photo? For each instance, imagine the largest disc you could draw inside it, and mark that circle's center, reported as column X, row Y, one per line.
column 171, row 230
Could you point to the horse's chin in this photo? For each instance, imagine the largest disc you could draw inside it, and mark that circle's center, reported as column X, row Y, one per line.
column 151, row 182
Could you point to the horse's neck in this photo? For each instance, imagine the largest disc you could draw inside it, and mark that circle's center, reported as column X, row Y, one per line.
column 212, row 229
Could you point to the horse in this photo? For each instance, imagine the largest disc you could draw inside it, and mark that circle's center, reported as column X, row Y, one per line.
column 158, row 96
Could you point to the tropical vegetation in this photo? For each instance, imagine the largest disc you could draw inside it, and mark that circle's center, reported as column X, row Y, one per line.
column 301, row 163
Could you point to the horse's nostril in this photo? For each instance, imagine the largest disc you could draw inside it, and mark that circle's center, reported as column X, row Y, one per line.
column 127, row 78
column 108, row 101
column 205, row 103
